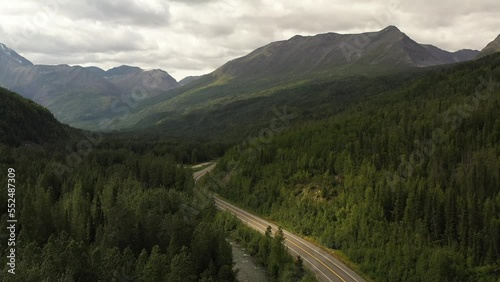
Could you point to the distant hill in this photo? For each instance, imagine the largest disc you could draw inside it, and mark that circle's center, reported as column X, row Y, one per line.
column 126, row 78
column 189, row 79
column 491, row 48
column 79, row 96
column 465, row 55
column 24, row 121
column 449, row 57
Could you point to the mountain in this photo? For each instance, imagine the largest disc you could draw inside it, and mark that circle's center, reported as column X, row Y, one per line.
column 9, row 56
column 189, row 79
column 73, row 94
column 79, row 96
column 491, row 48
column 451, row 57
column 122, row 70
column 284, row 66
column 24, row 121
column 465, row 55
column 388, row 48
column 96, row 70
column 126, row 78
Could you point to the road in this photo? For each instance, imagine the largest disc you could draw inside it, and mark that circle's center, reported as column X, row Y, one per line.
column 324, row 265
column 199, row 174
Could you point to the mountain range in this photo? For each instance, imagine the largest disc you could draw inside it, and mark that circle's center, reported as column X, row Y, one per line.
column 84, row 96
column 78, row 95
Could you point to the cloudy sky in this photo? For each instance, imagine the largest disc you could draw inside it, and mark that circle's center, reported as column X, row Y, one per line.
column 192, row 37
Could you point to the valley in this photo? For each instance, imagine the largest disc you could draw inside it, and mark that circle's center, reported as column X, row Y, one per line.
column 330, row 157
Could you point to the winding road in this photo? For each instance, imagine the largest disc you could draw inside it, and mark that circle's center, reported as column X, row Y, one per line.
column 324, row 265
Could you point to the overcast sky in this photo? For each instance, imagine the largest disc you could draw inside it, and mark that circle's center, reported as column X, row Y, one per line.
column 193, row 37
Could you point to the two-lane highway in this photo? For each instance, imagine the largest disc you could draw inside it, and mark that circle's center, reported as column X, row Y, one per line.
column 325, row 266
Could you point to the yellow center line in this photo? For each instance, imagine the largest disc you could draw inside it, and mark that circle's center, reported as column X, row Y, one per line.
column 295, row 237
column 317, row 260
column 250, row 218
column 304, row 258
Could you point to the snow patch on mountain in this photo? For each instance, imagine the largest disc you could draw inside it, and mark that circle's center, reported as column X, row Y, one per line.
column 13, row 55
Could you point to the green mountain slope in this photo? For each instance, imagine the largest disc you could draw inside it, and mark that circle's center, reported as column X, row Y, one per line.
column 240, row 117
column 24, row 121
column 492, row 47
column 405, row 183
column 279, row 67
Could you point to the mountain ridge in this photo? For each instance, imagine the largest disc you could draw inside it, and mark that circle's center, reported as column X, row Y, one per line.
column 281, row 64
column 451, row 57
column 79, row 96
column 492, row 47
column 13, row 56
column 301, row 54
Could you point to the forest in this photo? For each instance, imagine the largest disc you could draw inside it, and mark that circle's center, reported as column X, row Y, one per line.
column 127, row 210
column 124, row 213
column 24, row 121
column 405, row 183
column 119, row 217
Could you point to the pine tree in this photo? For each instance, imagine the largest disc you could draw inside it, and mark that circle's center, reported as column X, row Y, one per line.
column 156, row 267
column 182, row 268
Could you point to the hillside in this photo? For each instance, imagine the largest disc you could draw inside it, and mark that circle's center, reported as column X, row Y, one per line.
column 492, row 47
column 188, row 79
column 79, row 96
column 388, row 48
column 23, row 121
column 405, row 183
column 450, row 58
column 126, row 78
column 278, row 69
column 11, row 57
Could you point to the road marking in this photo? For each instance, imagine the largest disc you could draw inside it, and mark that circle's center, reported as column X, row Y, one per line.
column 320, row 271
column 310, row 263
column 257, row 219
column 317, row 260
column 288, row 240
column 296, row 238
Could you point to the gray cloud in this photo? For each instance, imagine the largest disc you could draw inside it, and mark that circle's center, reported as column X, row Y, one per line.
column 191, row 37
column 119, row 12
column 101, row 41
